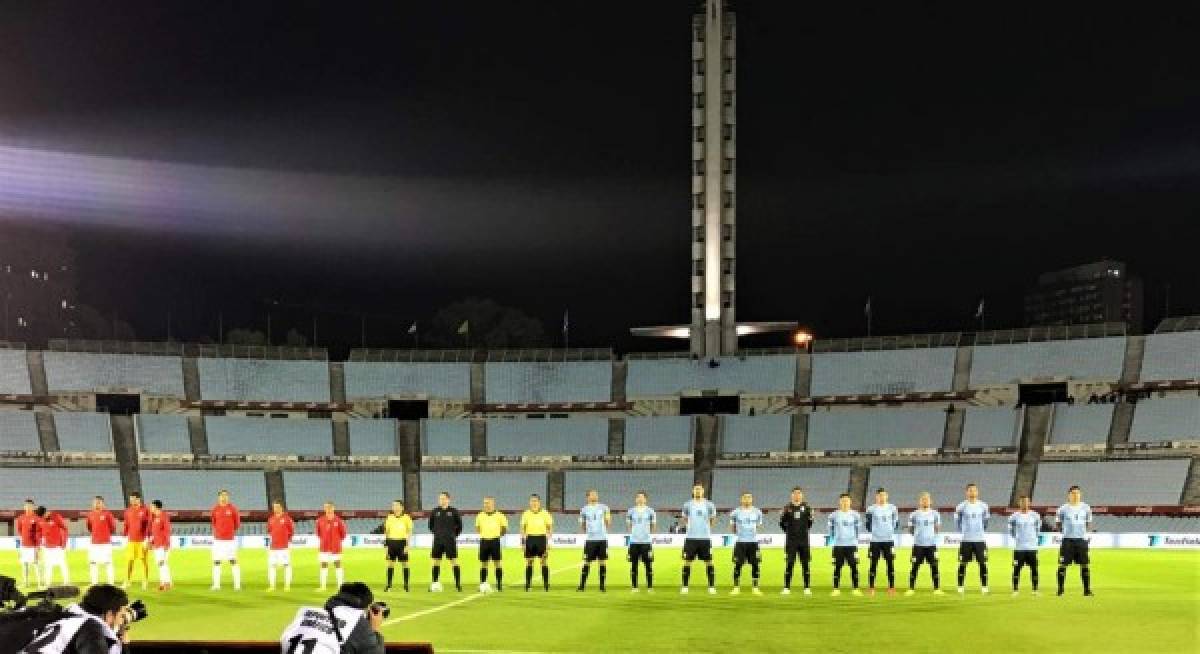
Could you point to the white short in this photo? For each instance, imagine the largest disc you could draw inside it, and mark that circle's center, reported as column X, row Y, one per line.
column 328, row 557
column 99, row 553
column 28, row 555
column 224, row 550
column 160, row 555
column 279, row 557
column 54, row 556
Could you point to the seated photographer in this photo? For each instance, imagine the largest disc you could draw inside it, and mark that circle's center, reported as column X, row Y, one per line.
column 349, row 623
column 96, row 625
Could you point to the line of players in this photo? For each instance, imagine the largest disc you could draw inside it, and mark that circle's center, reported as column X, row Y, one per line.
column 43, row 539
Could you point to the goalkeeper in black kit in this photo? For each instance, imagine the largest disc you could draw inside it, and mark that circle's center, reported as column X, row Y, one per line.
column 796, row 520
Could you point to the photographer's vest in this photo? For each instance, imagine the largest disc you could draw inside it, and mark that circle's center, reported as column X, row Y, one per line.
column 313, row 632
column 56, row 637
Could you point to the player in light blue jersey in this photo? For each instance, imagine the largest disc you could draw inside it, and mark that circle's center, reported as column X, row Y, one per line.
column 699, row 517
column 924, row 523
column 844, row 527
column 640, row 519
column 1075, row 520
column 744, row 522
column 883, row 521
column 1024, row 525
column 594, row 520
column 971, row 518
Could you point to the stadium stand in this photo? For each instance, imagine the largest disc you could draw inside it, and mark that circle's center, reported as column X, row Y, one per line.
column 1166, row 419
column 1169, row 524
column 163, row 434
column 771, row 374
column 60, row 488
column 348, row 490
column 772, row 487
column 373, row 438
column 18, row 432
column 885, row 371
column 262, row 380
column 510, row 488
column 86, row 371
column 1080, row 424
column 945, row 482
column 1150, row 481
column 83, row 432
column 14, row 373
column 197, row 489
column 523, row 437
column 658, row 435
column 435, row 380
column 1171, row 356
column 446, row 437
column 557, row 381
column 770, row 433
column 872, row 429
column 228, row 435
column 990, row 427
column 1087, row 358
column 665, row 488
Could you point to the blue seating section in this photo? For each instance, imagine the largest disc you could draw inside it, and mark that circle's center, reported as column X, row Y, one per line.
column 261, row 380
column 886, row 371
column 524, row 437
column 576, row 381
column 446, row 437
column 771, row 433
column 14, row 373
column 665, row 488
column 1081, row 424
column 161, row 433
column 435, row 380
column 1088, row 358
column 873, row 429
column 772, row 487
column 1151, row 481
column 1172, row 356
column 347, row 490
column 658, row 435
column 945, row 482
column 228, row 435
column 197, row 489
column 467, row 489
column 60, row 488
column 373, row 438
column 990, row 427
column 1166, row 419
column 86, row 371
column 18, row 432
column 774, row 374
column 83, row 432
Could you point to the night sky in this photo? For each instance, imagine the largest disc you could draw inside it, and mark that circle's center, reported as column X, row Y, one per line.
column 403, row 155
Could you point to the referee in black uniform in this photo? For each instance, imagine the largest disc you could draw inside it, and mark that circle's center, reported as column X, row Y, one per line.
column 796, row 520
column 445, row 523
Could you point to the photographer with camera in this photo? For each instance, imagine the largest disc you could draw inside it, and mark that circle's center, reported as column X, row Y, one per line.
column 98, row 624
column 349, row 623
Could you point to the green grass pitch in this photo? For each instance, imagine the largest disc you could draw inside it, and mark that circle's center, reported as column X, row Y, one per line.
column 1144, row 600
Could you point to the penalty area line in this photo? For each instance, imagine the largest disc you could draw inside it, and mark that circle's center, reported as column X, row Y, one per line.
column 469, row 598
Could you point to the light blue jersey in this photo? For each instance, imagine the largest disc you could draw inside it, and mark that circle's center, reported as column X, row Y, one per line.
column 1024, row 528
column 971, row 519
column 698, row 514
column 924, row 524
column 1074, row 519
column 746, row 523
column 641, row 523
column 883, row 521
column 844, row 527
column 592, row 516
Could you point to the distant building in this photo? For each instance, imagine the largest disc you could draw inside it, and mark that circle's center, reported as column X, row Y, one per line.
column 1103, row 291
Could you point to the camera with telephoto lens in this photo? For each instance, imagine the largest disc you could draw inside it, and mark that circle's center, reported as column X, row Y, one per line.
column 382, row 609
column 136, row 612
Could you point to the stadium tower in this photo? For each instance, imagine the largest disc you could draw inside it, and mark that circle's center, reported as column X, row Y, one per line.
column 714, row 329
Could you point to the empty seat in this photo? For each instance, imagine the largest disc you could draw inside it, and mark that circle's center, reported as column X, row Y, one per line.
column 945, row 482
column 525, row 437
column 770, row 433
column 774, row 374
column 83, row 432
column 874, row 429
column 1088, row 358
column 229, row 435
column 86, row 371
column 446, row 437
column 573, row 381
column 887, row 371
column 14, row 373
column 467, row 489
column 267, row 381
column 658, row 435
column 990, row 427
column 59, row 488
column 435, row 380
column 666, row 488
column 18, row 432
column 197, row 489
column 772, row 487
column 1172, row 356
column 373, row 437
column 161, row 433
column 1151, row 481
column 348, row 490
column 1081, row 424
column 1166, row 419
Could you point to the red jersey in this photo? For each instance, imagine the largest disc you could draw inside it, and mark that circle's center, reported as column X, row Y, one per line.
column 54, row 531
column 101, row 524
column 137, row 523
column 281, row 528
column 330, row 532
column 28, row 525
column 225, row 521
column 160, row 531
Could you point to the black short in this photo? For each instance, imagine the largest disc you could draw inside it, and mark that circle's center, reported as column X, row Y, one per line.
column 397, row 549
column 697, row 548
column 643, row 552
column 746, row 553
column 595, row 550
column 876, row 550
column 923, row 554
column 1073, row 550
column 847, row 554
column 535, row 547
column 444, row 548
column 974, row 550
column 489, row 550
column 1027, row 557
column 800, row 551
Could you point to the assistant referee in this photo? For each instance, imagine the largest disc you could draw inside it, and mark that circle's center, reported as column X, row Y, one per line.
column 492, row 526
column 397, row 529
column 536, row 525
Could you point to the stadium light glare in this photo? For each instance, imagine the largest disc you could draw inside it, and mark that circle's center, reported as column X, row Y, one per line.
column 802, row 338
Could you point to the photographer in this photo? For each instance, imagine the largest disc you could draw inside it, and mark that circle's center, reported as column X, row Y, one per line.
column 97, row 625
column 349, row 623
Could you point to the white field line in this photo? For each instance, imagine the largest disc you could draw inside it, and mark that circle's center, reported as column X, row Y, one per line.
column 464, row 600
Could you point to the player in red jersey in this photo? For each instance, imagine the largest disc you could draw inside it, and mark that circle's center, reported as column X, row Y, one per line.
column 331, row 530
column 53, row 530
column 280, row 528
column 100, row 524
column 27, row 530
column 160, row 542
column 135, row 526
column 225, row 523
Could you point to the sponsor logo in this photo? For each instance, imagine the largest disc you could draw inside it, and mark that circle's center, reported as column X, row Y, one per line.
column 662, row 540
column 202, row 541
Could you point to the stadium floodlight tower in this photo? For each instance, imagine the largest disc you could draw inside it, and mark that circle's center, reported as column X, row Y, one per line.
column 714, row 329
